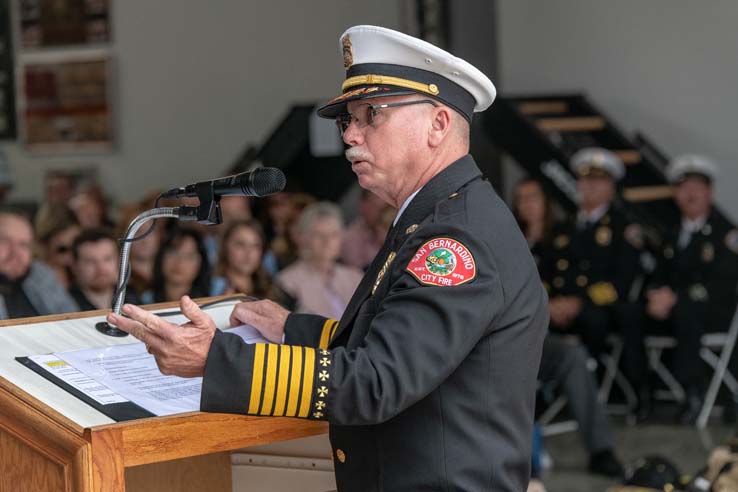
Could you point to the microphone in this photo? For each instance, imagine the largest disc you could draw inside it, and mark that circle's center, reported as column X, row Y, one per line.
column 262, row 181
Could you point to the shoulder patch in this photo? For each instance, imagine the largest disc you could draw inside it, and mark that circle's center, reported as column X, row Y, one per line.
column 443, row 261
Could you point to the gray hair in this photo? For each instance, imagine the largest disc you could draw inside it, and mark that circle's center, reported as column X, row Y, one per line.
column 318, row 211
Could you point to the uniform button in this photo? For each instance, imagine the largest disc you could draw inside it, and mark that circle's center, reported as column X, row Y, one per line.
column 562, row 264
column 582, row 280
column 558, row 282
column 341, row 455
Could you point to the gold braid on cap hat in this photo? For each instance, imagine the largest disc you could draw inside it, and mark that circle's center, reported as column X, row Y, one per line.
column 387, row 80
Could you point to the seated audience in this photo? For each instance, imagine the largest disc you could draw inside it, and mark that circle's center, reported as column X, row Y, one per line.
column 693, row 289
column 316, row 280
column 365, row 235
column 27, row 287
column 143, row 250
column 55, row 235
column 235, row 208
column 59, row 187
column 91, row 208
column 6, row 178
column 240, row 264
column 95, row 270
column 564, row 361
column 283, row 210
column 181, row 268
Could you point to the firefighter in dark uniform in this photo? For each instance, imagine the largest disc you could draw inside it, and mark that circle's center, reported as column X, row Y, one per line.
column 428, row 380
column 594, row 259
column 693, row 289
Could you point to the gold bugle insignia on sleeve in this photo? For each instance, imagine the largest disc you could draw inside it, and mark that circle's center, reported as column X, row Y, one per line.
column 602, row 293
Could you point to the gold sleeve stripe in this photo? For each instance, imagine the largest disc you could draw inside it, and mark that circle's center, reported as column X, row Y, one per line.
column 307, row 382
column 284, row 379
column 295, row 375
column 256, row 378
column 333, row 331
column 271, row 379
column 325, row 333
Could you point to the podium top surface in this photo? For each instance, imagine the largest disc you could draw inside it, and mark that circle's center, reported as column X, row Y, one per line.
column 73, row 332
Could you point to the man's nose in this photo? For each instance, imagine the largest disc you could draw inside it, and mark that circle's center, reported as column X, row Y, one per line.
column 353, row 136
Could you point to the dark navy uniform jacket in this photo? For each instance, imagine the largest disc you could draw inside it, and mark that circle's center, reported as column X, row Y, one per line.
column 704, row 273
column 597, row 263
column 428, row 380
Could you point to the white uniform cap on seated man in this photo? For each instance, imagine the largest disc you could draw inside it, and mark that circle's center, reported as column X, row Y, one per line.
column 596, row 161
column 683, row 166
column 381, row 62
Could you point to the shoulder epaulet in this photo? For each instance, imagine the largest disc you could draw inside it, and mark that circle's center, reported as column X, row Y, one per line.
column 452, row 205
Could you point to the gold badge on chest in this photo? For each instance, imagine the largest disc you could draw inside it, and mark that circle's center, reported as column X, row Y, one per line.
column 603, row 235
column 381, row 273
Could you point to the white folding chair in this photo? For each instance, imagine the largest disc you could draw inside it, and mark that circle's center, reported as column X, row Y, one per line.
column 716, row 350
column 613, row 376
column 655, row 346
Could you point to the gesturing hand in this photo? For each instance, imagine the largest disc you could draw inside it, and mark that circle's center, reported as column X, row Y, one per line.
column 178, row 350
column 266, row 316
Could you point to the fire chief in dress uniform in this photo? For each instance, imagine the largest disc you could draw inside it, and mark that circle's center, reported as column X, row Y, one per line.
column 594, row 259
column 428, row 379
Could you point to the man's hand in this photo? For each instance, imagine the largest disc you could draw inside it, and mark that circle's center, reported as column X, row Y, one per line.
column 564, row 309
column 266, row 316
column 178, row 350
column 660, row 302
column 572, row 306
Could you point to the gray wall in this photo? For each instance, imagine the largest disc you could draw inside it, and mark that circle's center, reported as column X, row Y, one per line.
column 196, row 81
column 666, row 67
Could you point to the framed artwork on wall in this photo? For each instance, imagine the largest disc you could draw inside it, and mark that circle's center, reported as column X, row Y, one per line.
column 64, row 103
column 54, row 23
column 7, row 77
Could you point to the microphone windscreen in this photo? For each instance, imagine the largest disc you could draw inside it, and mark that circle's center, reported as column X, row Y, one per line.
column 267, row 180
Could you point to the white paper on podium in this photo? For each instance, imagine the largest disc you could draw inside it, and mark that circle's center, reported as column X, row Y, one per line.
column 129, row 370
column 76, row 379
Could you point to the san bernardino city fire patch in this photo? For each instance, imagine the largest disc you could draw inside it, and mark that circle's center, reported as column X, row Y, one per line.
column 443, row 261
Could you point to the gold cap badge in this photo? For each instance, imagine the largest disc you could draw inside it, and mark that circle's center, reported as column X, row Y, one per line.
column 348, row 52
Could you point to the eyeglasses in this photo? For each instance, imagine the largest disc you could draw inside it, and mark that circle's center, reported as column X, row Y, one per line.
column 366, row 114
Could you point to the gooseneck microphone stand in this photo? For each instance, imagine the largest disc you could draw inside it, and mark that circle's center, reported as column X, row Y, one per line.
column 260, row 182
column 208, row 212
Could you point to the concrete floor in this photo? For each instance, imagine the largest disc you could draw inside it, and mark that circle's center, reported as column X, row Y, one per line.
column 687, row 447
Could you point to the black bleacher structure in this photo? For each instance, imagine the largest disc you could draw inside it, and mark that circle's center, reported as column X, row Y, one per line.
column 542, row 132
column 288, row 148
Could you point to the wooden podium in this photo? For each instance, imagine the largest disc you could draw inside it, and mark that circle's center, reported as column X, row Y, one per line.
column 51, row 441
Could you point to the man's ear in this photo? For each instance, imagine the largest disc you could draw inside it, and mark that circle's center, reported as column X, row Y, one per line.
column 440, row 125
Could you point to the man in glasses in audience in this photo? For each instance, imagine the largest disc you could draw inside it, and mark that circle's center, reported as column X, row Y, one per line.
column 428, row 379
column 27, row 287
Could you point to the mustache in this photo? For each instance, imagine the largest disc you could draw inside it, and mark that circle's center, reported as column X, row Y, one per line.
column 354, row 154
